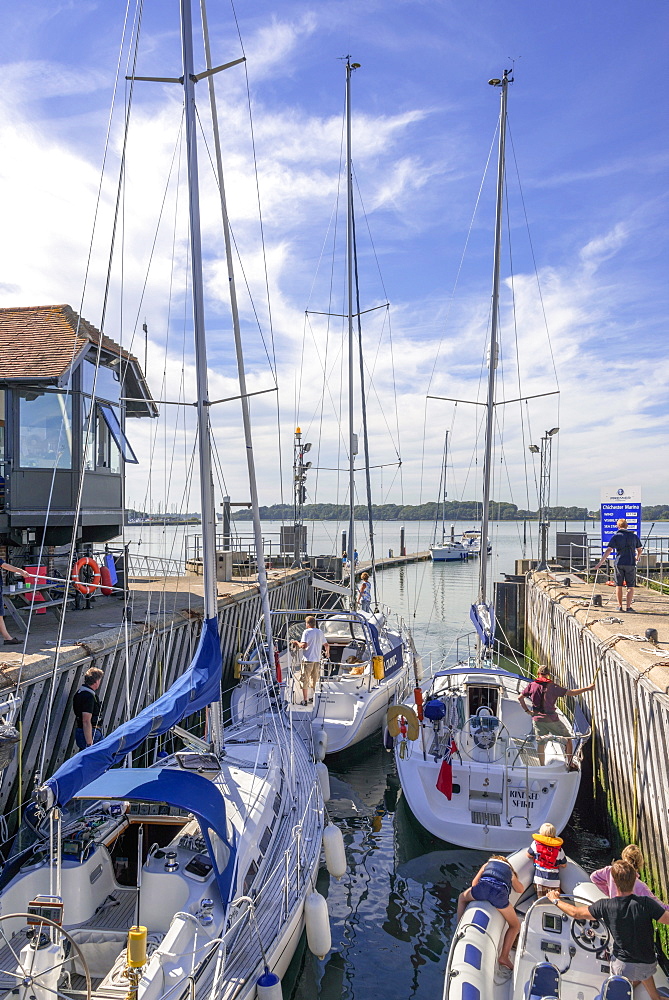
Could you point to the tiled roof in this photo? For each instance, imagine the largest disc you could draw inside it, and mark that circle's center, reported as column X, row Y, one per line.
column 41, row 342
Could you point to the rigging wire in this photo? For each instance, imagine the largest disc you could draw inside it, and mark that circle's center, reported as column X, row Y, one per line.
column 39, row 774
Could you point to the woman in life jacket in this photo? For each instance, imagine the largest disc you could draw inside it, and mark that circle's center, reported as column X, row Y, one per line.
column 548, row 856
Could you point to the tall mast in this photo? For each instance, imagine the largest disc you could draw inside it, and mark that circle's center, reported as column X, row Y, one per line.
column 203, row 424
column 493, row 350
column 241, row 373
column 352, row 442
column 443, row 491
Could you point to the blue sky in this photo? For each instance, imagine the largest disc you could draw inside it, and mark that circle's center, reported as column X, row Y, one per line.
column 588, row 132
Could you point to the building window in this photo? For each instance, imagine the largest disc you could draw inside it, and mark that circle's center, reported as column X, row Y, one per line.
column 101, row 450
column 114, row 428
column 45, row 430
column 108, row 384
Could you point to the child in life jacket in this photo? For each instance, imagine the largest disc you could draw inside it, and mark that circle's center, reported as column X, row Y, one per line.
column 548, row 856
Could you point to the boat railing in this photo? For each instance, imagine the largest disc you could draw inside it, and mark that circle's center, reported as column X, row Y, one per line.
column 144, row 565
column 286, row 875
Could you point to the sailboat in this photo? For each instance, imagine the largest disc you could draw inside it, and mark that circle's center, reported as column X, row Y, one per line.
column 371, row 660
column 452, row 550
column 470, row 767
column 189, row 878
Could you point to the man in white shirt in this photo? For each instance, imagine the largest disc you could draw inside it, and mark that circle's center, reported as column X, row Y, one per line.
column 312, row 643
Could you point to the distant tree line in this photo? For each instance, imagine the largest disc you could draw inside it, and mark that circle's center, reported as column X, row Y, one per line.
column 463, row 510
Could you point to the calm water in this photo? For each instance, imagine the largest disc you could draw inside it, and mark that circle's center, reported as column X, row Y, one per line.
column 393, row 913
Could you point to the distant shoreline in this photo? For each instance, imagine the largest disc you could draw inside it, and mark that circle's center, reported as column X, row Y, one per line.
column 454, row 511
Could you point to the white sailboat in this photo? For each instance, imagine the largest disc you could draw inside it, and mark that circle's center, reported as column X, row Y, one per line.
column 557, row 957
column 189, row 878
column 472, row 539
column 467, row 759
column 448, row 550
column 371, row 661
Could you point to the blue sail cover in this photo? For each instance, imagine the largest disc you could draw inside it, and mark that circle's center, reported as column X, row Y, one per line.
column 483, row 617
column 195, row 689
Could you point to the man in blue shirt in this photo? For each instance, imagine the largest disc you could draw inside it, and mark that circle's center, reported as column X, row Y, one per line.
column 628, row 547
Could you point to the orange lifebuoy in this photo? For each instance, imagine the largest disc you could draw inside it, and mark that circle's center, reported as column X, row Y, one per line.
column 105, row 581
column 89, row 587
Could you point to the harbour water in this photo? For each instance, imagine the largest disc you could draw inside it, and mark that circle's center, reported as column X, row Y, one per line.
column 393, row 913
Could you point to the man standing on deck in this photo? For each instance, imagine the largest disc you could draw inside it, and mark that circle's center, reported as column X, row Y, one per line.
column 543, row 695
column 88, row 709
column 630, row 921
column 312, row 642
column 628, row 548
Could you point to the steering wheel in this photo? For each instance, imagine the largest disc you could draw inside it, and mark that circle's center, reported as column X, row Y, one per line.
column 27, row 972
column 491, row 739
column 591, row 935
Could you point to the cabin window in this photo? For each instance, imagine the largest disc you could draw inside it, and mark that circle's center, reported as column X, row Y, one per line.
column 251, row 873
column 45, row 429
column 108, row 385
column 265, row 839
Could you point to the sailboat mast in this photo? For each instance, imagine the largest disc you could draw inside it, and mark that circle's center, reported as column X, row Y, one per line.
column 352, row 449
column 443, row 491
column 203, row 425
column 234, row 309
column 494, row 349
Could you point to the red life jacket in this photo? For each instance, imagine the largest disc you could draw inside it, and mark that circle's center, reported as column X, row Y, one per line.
column 547, row 850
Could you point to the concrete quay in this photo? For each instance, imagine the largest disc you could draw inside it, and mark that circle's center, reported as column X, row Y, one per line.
column 627, row 760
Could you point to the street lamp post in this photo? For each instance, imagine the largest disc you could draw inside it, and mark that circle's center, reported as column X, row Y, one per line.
column 544, row 492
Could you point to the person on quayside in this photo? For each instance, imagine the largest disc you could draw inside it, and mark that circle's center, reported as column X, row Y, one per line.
column 628, row 547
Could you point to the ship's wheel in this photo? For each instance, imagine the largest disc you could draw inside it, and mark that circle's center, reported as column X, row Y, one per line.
column 35, row 961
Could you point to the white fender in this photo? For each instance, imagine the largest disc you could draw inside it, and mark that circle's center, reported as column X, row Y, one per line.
column 335, row 855
column 320, row 738
column 324, row 778
column 268, row 986
column 317, row 922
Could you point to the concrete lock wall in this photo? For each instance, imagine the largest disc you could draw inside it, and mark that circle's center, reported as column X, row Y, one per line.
column 629, row 715
column 144, row 660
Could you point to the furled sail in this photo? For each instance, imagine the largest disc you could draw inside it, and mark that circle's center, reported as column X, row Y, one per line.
column 483, row 617
column 197, row 687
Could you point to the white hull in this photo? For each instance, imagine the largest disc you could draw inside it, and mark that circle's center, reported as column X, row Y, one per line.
column 450, row 552
column 500, row 791
column 456, row 822
column 349, row 703
column 479, row 935
column 269, row 789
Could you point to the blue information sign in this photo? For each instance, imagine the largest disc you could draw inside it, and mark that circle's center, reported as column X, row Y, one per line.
column 620, row 503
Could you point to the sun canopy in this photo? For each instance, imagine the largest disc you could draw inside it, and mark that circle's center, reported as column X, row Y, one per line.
column 194, row 690
column 183, row 789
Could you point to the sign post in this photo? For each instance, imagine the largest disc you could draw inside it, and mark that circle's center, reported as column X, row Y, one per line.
column 618, row 502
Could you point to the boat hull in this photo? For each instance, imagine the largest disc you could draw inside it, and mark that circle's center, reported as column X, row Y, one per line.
column 457, row 823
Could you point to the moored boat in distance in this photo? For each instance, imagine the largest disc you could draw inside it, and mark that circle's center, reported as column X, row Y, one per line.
column 472, row 540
